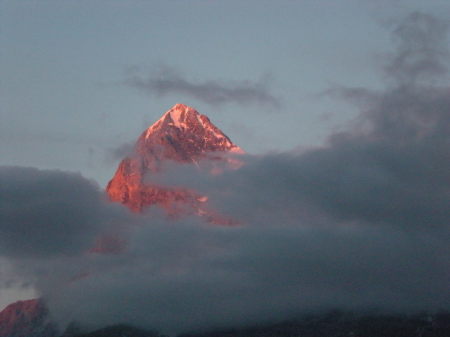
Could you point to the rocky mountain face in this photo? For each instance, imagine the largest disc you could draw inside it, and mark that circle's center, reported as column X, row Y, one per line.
column 182, row 136
column 26, row 319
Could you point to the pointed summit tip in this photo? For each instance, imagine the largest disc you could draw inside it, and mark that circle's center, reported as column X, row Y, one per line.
column 181, row 109
column 180, row 114
column 191, row 128
column 181, row 106
column 177, row 116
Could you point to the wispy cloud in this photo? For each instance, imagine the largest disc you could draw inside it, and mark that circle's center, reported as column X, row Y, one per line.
column 167, row 80
column 119, row 152
column 422, row 51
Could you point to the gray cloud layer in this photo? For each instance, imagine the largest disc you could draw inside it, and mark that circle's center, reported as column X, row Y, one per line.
column 361, row 223
column 169, row 81
column 43, row 212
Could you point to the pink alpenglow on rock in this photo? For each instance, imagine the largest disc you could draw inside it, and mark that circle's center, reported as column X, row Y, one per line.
column 181, row 136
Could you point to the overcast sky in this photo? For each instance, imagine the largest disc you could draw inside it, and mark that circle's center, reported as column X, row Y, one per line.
column 342, row 106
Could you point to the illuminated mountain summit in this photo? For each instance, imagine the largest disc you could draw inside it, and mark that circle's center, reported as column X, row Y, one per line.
column 181, row 135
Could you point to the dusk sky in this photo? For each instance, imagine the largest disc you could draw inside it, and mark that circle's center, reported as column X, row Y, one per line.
column 68, row 99
column 343, row 109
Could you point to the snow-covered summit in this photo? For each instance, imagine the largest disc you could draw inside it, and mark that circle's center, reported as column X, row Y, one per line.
column 184, row 123
column 180, row 116
column 181, row 135
column 179, row 112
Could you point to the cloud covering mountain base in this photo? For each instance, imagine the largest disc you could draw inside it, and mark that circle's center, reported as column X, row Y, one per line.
column 360, row 223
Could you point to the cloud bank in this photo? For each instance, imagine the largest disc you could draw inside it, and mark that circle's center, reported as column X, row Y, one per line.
column 47, row 212
column 168, row 81
column 359, row 224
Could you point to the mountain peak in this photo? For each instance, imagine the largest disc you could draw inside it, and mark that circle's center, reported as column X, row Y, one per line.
column 181, row 135
column 184, row 124
column 180, row 116
column 183, row 108
column 180, row 111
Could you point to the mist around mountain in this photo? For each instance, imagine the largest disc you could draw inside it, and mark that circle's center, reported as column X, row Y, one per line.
column 359, row 224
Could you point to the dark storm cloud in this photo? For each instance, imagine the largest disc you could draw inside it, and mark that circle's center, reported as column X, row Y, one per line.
column 169, row 81
column 360, row 223
column 44, row 213
column 183, row 276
